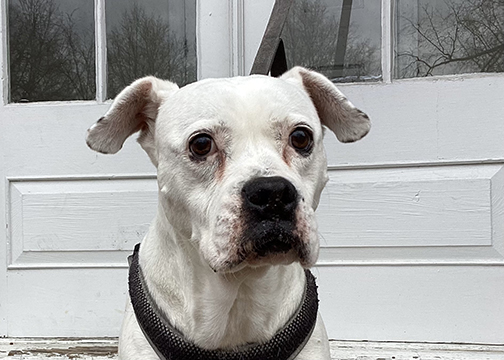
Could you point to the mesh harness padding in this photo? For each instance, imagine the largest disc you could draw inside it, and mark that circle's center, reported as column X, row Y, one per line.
column 170, row 344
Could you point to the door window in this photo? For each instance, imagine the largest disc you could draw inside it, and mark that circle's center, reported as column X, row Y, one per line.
column 340, row 39
column 357, row 40
column 158, row 39
column 56, row 49
column 51, row 50
column 449, row 37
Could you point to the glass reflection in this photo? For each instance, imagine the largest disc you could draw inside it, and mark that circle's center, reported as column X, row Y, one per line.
column 449, row 37
column 51, row 50
column 340, row 39
column 155, row 37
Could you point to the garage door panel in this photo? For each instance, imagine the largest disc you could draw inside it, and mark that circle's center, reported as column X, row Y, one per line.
column 413, row 303
column 456, row 119
column 418, row 214
column 89, row 304
column 90, row 222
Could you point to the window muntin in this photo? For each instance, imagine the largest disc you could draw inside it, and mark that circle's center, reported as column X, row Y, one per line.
column 51, row 50
column 449, row 37
column 341, row 39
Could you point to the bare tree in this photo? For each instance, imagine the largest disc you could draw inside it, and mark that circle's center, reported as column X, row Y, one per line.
column 461, row 36
column 79, row 50
column 52, row 57
column 48, row 59
column 310, row 37
column 144, row 45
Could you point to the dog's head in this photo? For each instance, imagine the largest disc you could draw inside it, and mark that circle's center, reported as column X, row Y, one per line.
column 240, row 161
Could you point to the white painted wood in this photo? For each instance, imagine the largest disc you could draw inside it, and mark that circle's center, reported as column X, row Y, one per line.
column 354, row 350
column 77, row 222
column 78, row 288
column 37, row 148
column 256, row 16
column 3, row 100
column 73, row 215
column 41, row 349
column 214, row 38
column 236, row 9
column 429, row 206
column 4, row 56
column 70, row 302
column 413, row 303
column 425, row 215
column 101, row 50
column 387, row 40
column 450, row 119
column 58, row 349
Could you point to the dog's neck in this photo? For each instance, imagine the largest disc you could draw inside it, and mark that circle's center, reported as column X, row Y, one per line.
column 216, row 310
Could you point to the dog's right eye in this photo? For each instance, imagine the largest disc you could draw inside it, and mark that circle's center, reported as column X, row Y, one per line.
column 301, row 139
column 201, row 145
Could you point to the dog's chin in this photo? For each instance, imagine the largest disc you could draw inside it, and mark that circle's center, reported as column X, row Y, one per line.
column 254, row 260
column 281, row 258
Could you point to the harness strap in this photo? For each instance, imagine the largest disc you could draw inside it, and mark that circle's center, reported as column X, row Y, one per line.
column 170, row 344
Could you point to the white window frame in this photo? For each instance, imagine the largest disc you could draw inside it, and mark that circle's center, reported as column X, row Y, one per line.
column 387, row 40
column 223, row 36
column 219, row 41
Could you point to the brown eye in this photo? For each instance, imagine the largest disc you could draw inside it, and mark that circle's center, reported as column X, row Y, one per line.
column 301, row 140
column 201, row 145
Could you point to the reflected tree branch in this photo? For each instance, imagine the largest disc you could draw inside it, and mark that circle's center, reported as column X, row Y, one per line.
column 142, row 45
column 467, row 36
column 311, row 40
column 47, row 57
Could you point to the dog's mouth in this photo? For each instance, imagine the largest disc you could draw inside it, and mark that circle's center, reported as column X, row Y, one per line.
column 267, row 243
column 270, row 237
column 273, row 247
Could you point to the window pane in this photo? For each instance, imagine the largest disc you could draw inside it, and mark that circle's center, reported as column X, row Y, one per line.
column 51, row 50
column 155, row 37
column 449, row 37
column 338, row 38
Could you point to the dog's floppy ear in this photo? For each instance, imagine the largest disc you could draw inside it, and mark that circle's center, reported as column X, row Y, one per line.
column 134, row 109
column 333, row 108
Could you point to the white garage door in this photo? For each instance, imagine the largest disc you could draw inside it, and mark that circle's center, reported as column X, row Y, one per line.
column 412, row 220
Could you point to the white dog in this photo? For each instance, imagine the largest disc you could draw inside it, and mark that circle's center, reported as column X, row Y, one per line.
column 240, row 166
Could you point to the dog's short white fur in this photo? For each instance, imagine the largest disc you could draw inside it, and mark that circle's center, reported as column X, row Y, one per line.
column 207, row 281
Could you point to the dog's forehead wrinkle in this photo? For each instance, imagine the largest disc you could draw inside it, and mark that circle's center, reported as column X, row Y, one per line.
column 240, row 92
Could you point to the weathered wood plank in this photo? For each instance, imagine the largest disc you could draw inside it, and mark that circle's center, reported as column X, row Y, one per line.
column 100, row 349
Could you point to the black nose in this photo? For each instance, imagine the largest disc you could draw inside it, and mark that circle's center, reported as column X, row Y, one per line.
column 270, row 198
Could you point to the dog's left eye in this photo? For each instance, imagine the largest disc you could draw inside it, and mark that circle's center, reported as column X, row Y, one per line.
column 301, row 139
column 201, row 145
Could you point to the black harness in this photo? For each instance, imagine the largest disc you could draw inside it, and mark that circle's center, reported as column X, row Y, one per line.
column 170, row 344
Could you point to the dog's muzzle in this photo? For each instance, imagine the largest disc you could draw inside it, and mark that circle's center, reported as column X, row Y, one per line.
column 269, row 204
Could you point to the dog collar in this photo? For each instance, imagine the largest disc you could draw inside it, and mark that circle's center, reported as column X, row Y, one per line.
column 170, row 344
